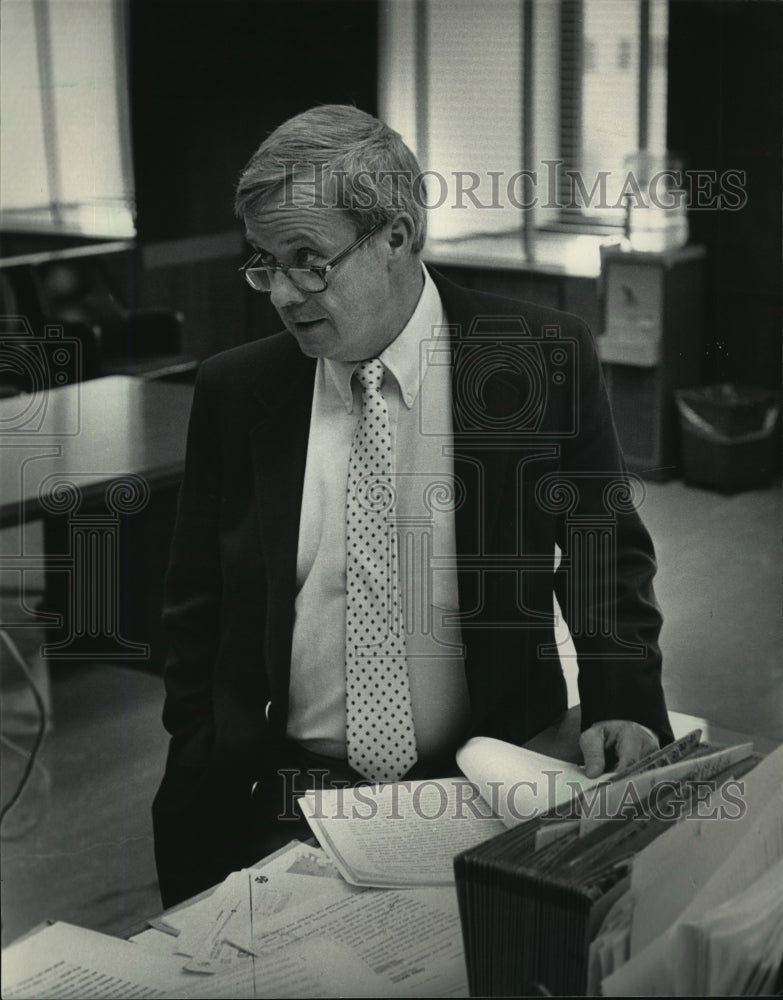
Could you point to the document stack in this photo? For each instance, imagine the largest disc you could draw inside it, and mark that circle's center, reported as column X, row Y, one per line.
column 601, row 895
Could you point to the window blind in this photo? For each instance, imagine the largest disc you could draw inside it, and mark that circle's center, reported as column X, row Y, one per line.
column 601, row 99
column 474, row 127
column 451, row 81
column 65, row 162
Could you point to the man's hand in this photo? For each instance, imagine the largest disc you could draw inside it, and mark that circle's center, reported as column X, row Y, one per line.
column 629, row 740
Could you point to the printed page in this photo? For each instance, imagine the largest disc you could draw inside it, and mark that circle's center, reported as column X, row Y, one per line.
column 303, row 875
column 413, row 937
column 402, row 834
column 315, row 968
column 68, row 961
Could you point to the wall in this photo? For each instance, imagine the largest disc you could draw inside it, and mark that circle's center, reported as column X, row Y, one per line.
column 725, row 113
column 208, row 82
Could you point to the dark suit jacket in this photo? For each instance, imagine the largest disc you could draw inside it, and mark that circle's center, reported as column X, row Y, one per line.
column 538, row 460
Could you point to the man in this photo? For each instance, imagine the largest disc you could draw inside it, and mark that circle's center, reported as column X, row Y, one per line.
column 363, row 568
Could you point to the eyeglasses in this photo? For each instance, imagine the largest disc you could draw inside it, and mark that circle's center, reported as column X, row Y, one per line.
column 307, row 279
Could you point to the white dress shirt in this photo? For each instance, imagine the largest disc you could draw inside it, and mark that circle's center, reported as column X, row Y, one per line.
column 417, row 389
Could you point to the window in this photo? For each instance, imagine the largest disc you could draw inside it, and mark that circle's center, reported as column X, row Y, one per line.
column 524, row 112
column 65, row 163
column 622, row 100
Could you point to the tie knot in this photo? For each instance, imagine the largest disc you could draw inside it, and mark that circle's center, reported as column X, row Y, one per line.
column 370, row 374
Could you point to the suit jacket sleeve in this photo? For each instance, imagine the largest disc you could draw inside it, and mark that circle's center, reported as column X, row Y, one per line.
column 193, row 590
column 611, row 610
column 196, row 813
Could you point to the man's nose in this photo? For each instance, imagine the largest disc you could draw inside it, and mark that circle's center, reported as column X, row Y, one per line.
column 283, row 292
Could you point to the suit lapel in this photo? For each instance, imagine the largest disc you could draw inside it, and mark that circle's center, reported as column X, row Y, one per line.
column 482, row 391
column 279, row 450
column 485, row 397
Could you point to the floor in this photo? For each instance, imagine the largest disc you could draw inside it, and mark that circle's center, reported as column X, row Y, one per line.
column 78, row 846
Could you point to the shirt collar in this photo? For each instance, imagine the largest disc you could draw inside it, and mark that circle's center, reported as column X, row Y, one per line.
column 401, row 357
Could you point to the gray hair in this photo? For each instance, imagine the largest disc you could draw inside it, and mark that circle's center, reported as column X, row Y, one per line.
column 365, row 166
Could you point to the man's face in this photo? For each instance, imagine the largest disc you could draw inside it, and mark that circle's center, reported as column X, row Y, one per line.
column 354, row 317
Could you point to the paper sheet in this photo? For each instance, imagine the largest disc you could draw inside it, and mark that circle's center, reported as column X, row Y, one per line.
column 152, row 939
column 518, row 783
column 398, row 835
column 413, row 937
column 207, row 948
column 315, row 936
column 268, row 924
column 667, row 874
column 720, row 952
column 717, row 858
column 251, row 899
column 608, row 801
column 296, row 872
column 611, row 947
column 175, row 921
column 195, row 916
column 68, row 961
column 317, row 968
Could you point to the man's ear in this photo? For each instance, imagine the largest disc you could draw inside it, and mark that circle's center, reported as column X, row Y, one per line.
column 400, row 236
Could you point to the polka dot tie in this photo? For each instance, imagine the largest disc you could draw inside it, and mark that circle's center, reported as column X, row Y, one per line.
column 379, row 720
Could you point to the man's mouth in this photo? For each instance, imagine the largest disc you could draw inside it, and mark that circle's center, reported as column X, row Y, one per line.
column 306, row 324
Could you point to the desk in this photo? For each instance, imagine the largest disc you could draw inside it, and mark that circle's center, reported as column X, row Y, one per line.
column 96, row 432
column 565, row 749
column 560, row 740
column 160, row 946
column 100, row 462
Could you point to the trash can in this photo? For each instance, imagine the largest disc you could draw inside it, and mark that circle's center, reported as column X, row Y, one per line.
column 728, row 436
